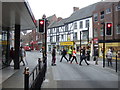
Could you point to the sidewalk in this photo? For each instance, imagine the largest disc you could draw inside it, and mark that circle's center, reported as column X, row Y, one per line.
column 15, row 78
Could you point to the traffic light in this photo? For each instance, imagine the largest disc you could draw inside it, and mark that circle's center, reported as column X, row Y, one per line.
column 108, row 28
column 41, row 25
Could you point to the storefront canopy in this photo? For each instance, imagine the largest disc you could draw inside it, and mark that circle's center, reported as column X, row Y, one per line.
column 17, row 12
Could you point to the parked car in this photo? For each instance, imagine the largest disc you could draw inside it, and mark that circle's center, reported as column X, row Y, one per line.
column 27, row 48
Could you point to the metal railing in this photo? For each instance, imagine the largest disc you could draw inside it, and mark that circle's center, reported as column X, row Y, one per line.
column 35, row 79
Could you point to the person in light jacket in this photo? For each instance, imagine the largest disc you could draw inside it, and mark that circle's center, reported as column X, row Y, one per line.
column 109, row 57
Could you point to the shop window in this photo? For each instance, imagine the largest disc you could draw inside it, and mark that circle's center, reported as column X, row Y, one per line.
column 117, row 29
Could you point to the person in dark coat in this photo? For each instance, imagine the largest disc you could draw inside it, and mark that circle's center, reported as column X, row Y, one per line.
column 64, row 52
column 88, row 53
column 83, row 57
column 96, row 56
column 53, row 57
column 12, row 54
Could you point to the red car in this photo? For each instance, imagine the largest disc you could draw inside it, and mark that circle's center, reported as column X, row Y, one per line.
column 27, row 48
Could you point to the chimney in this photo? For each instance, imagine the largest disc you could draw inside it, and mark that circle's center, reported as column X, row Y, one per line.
column 75, row 9
column 59, row 18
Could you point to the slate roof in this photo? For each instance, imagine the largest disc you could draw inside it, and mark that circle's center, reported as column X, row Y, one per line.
column 50, row 17
column 58, row 23
column 77, row 15
column 82, row 13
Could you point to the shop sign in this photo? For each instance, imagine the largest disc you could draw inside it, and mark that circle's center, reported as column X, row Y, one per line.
column 53, row 43
column 66, row 43
column 95, row 40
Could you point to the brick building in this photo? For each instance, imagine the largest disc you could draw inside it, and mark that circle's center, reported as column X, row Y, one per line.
column 107, row 12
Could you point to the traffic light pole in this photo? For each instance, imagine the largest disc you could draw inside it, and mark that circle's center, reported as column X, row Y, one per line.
column 88, row 36
column 103, row 44
column 45, row 27
column 80, row 45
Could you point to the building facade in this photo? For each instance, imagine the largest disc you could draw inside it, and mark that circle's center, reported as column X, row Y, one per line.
column 104, row 14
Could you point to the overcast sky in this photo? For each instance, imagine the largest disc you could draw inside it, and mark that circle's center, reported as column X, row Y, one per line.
column 62, row 8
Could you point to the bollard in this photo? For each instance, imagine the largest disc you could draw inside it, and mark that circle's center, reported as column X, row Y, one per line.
column 39, row 63
column 26, row 78
column 116, row 62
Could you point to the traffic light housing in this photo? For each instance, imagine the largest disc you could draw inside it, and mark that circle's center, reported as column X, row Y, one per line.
column 41, row 25
column 108, row 28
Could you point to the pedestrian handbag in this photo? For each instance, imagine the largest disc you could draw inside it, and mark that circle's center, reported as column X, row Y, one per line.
column 94, row 59
column 83, row 57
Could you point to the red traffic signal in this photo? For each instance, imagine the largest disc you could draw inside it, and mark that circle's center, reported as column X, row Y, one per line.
column 108, row 28
column 109, row 25
column 41, row 22
column 41, row 25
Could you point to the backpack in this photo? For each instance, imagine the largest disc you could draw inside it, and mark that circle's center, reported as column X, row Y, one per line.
column 109, row 55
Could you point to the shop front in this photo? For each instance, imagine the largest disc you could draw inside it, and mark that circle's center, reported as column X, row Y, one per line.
column 114, row 46
column 66, row 45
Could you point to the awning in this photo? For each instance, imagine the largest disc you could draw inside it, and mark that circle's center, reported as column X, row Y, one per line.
column 17, row 12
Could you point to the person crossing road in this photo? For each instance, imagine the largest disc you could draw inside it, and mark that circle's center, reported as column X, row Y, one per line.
column 64, row 55
column 74, row 57
column 70, row 53
column 83, row 57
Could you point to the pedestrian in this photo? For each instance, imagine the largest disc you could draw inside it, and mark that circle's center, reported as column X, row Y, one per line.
column 74, row 57
column 88, row 53
column 64, row 55
column 22, row 55
column 83, row 57
column 12, row 54
column 70, row 53
column 53, row 57
column 109, row 57
column 96, row 56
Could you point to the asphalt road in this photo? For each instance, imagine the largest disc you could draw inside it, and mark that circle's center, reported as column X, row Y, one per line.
column 66, row 75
